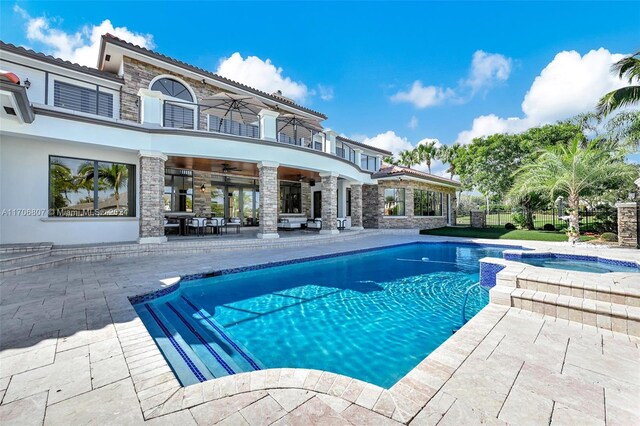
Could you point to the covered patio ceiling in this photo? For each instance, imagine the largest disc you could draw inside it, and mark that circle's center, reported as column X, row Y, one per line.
column 238, row 168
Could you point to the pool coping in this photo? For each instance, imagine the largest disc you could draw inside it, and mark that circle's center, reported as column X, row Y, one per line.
column 402, row 402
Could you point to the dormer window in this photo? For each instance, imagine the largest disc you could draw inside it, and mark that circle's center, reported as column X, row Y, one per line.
column 179, row 108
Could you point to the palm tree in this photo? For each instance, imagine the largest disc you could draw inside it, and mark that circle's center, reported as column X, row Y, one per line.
column 390, row 159
column 408, row 158
column 61, row 183
column 448, row 154
column 626, row 68
column 573, row 170
column 110, row 175
column 426, row 152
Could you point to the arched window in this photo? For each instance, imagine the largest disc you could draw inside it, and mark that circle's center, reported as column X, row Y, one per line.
column 172, row 88
column 178, row 112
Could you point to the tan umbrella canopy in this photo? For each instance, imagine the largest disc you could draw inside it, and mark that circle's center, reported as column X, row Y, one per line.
column 247, row 107
column 292, row 121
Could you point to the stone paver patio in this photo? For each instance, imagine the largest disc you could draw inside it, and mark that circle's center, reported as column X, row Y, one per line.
column 72, row 351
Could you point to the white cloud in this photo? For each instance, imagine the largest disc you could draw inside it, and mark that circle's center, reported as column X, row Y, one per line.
column 487, row 69
column 81, row 47
column 413, row 122
column 569, row 85
column 423, row 96
column 326, row 92
column 262, row 75
column 427, row 140
column 389, row 141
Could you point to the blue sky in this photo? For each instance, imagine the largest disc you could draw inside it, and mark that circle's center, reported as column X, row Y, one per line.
column 358, row 62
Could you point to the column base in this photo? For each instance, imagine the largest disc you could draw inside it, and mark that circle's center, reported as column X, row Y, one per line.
column 329, row 231
column 152, row 240
column 270, row 236
column 357, row 228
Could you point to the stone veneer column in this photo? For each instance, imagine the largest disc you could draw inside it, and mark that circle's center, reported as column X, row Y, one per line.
column 356, row 206
column 329, row 203
column 268, row 181
column 628, row 223
column 478, row 219
column 151, row 197
column 306, row 198
column 370, row 212
column 201, row 199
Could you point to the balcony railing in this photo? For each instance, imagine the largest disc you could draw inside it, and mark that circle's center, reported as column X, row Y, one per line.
column 232, row 127
column 186, row 115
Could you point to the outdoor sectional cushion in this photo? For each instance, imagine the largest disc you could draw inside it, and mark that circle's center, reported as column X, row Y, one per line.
column 291, row 222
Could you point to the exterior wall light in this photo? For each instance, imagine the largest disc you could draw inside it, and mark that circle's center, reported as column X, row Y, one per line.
column 203, row 188
column 27, row 84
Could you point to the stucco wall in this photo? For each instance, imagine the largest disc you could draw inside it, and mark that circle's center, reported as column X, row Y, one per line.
column 24, row 184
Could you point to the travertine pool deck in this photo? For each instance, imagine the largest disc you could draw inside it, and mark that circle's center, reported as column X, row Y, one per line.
column 72, row 351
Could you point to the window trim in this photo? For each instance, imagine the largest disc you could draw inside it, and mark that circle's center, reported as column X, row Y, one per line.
column 132, row 195
column 403, row 202
column 177, row 101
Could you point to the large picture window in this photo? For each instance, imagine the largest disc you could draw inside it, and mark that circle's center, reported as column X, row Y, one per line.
column 290, row 197
column 87, row 188
column 178, row 190
column 394, row 202
column 427, row 203
column 82, row 99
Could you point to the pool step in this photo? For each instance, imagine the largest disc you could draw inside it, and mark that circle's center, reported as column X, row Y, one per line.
column 606, row 315
column 184, row 362
column 623, row 289
column 215, row 335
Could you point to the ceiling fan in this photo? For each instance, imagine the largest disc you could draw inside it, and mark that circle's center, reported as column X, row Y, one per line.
column 226, row 168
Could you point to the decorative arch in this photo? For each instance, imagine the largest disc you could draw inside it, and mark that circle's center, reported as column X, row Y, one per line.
column 174, row 87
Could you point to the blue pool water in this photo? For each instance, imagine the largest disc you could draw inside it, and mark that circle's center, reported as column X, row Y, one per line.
column 373, row 316
column 591, row 265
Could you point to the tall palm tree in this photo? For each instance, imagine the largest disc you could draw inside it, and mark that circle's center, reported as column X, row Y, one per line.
column 426, row 153
column 62, row 183
column 408, row 158
column 573, row 170
column 448, row 154
column 626, row 68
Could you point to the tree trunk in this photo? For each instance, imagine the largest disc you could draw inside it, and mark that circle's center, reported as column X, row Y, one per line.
column 574, row 220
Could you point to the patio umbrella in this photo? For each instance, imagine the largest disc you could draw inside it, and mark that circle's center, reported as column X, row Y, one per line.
column 295, row 121
column 246, row 106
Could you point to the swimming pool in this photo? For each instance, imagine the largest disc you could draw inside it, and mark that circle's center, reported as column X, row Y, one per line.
column 372, row 316
column 570, row 262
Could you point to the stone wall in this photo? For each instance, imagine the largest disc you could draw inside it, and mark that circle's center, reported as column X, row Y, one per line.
column 268, row 181
column 201, row 199
column 151, row 198
column 356, row 206
column 306, row 199
column 409, row 221
column 138, row 75
column 370, row 206
column 478, row 219
column 329, row 205
column 628, row 224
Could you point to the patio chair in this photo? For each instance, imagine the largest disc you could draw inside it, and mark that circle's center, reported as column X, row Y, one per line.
column 234, row 222
column 197, row 224
column 314, row 223
column 215, row 224
column 168, row 225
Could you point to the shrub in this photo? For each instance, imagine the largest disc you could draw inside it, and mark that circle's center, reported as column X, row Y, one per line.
column 548, row 227
column 609, row 237
column 519, row 219
column 510, row 226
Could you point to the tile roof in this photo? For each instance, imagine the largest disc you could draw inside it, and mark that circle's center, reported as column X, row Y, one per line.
column 392, row 170
column 57, row 61
column 281, row 99
column 364, row 145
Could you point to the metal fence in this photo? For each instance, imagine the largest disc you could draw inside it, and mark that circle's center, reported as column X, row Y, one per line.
column 591, row 220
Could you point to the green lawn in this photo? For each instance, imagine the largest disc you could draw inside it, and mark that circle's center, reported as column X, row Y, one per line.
column 500, row 233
